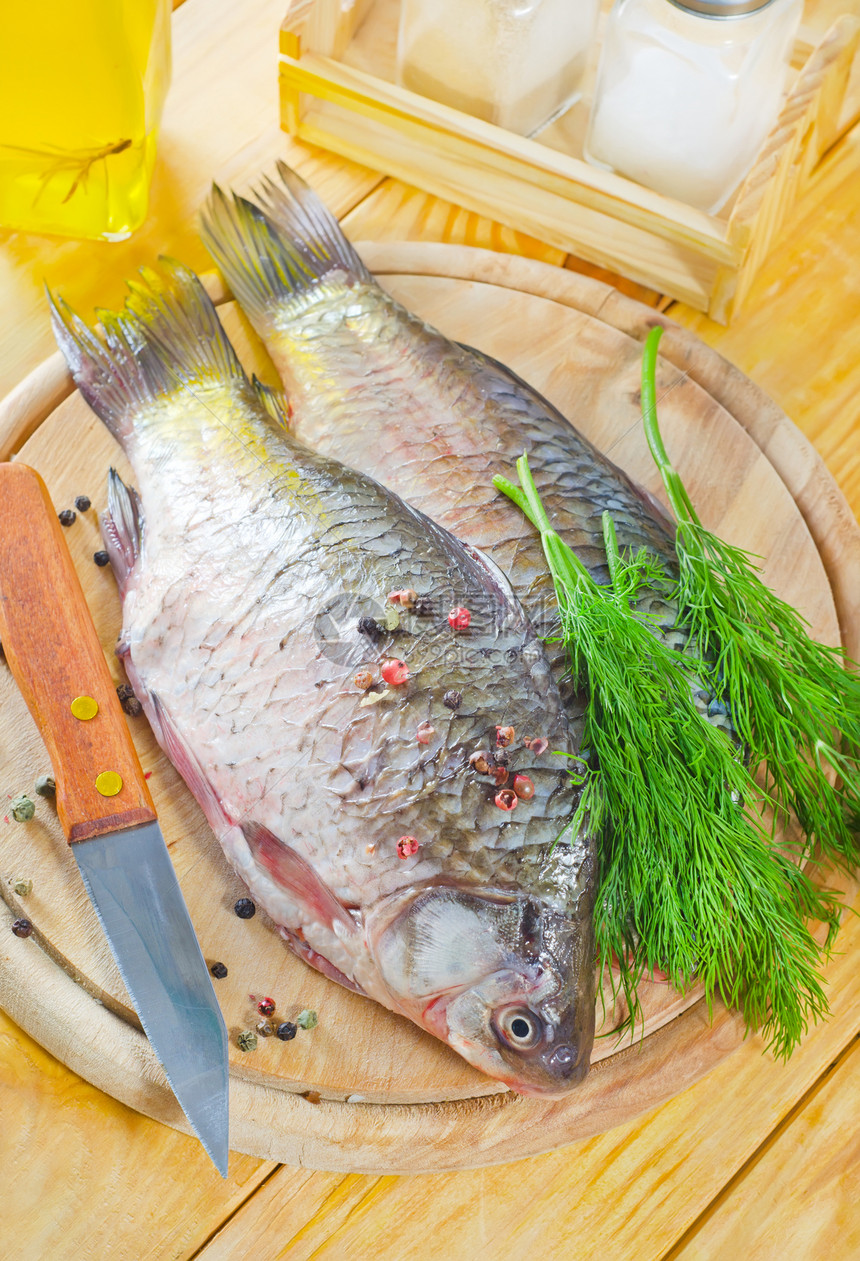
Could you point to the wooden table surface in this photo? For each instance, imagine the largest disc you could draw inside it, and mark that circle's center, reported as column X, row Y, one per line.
column 758, row 1160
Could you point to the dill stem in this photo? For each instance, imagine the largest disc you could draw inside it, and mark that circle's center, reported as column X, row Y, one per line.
column 681, row 503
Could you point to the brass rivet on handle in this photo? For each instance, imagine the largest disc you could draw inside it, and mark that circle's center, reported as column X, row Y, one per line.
column 109, row 783
column 84, row 707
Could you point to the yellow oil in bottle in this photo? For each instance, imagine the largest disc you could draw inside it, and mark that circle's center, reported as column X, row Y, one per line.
column 82, row 84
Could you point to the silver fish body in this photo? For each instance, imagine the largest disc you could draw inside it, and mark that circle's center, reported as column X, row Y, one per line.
column 434, row 420
column 255, row 577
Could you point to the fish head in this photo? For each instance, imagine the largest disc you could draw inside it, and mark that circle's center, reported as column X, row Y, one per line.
column 508, row 981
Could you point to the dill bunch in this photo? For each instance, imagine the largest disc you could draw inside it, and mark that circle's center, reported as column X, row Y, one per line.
column 689, row 881
column 793, row 702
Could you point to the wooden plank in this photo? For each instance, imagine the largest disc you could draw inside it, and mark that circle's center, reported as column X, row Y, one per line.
column 398, row 211
column 93, row 1178
column 799, row 1195
column 631, row 1192
column 220, row 122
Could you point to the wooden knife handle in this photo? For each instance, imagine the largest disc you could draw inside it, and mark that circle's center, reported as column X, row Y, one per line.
column 55, row 655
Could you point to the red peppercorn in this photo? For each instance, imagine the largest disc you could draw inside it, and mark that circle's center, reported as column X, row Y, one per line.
column 504, row 736
column 406, row 846
column 500, row 774
column 539, row 746
column 394, row 672
column 524, row 787
column 459, row 618
column 406, row 597
column 480, row 761
column 424, row 732
column 506, row 799
column 363, row 680
column 266, row 1006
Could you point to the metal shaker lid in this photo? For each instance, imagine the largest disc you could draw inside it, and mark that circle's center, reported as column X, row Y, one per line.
column 721, row 8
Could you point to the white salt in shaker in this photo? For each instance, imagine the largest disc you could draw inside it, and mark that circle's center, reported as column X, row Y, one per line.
column 515, row 63
column 688, row 90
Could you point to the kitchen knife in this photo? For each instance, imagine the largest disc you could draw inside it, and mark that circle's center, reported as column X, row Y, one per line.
column 104, row 804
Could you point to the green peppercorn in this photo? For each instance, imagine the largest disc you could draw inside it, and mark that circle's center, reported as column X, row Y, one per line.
column 23, row 888
column 22, row 928
column 247, row 1041
column 307, row 1020
column 286, row 1031
column 23, row 808
column 67, row 517
column 245, row 908
column 46, row 786
column 218, row 970
column 264, row 1028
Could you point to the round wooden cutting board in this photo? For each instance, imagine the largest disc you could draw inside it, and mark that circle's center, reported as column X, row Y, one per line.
column 366, row 1090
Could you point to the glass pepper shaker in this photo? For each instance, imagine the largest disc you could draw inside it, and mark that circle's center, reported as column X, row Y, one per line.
column 687, row 91
column 515, row 63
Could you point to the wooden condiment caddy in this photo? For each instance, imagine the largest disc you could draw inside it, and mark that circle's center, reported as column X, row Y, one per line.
column 337, row 70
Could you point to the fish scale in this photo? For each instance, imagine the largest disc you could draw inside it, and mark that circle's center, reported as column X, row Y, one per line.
column 247, row 543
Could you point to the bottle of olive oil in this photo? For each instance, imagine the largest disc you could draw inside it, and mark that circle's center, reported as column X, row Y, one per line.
column 82, row 85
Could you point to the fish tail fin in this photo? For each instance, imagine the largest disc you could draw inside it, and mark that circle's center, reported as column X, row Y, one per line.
column 122, row 528
column 272, row 253
column 274, row 403
column 167, row 338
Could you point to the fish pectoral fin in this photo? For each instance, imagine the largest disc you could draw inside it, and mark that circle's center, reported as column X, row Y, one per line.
column 293, row 873
column 301, row 948
column 122, row 528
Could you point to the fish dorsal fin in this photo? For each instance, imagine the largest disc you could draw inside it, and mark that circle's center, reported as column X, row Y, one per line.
column 274, row 252
column 122, row 528
column 274, row 401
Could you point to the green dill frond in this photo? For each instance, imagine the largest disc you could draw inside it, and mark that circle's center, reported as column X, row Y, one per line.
column 794, row 702
column 689, row 880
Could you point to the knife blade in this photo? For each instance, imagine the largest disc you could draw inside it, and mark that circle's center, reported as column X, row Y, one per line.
column 104, row 804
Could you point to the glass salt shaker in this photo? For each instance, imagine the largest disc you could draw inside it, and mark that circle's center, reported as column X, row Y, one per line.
column 687, row 91
column 515, row 63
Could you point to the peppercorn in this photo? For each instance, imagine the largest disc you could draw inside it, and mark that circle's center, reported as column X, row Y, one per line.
column 245, row 908
column 423, row 607
column 539, row 746
column 394, row 672
column 307, row 1020
column 218, row 970
column 46, row 786
column 22, row 928
column 23, row 809
column 459, row 618
column 452, row 700
column 523, row 787
column 83, row 503
column 370, row 627
column 101, row 559
column 247, row 1041
column 481, row 761
column 424, row 732
column 406, row 597
column 67, row 517
column 266, row 1006
column 504, row 736
column 264, row 1028
column 406, row 846
column 506, row 799
column 286, row 1031
column 500, row 775
column 129, row 702
column 363, row 680
column 23, row 888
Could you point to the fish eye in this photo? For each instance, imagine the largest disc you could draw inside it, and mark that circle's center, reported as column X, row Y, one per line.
column 519, row 1027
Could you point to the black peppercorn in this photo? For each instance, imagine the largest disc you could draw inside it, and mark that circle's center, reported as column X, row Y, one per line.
column 101, row 559
column 219, row 970
column 83, row 503
column 370, row 627
column 129, row 702
column 452, row 700
column 23, row 928
column 67, row 517
column 423, row 607
column 287, row 1031
column 245, row 908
